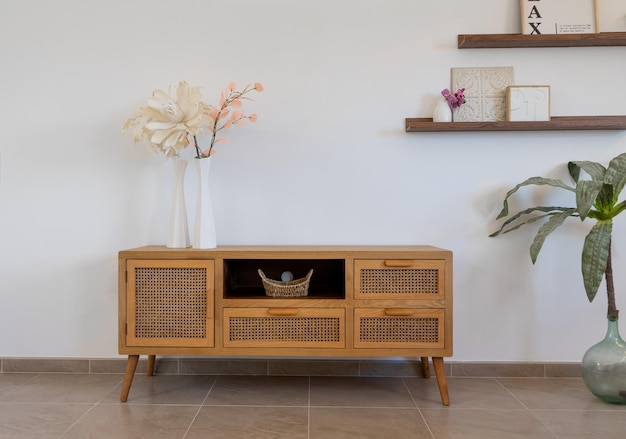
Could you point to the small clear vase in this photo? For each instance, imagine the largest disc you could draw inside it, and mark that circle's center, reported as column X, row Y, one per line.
column 604, row 366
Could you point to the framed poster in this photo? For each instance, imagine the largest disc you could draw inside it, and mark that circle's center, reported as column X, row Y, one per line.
column 611, row 15
column 558, row 17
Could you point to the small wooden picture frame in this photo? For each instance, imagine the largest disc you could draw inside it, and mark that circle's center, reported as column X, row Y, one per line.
column 610, row 15
column 558, row 17
column 528, row 103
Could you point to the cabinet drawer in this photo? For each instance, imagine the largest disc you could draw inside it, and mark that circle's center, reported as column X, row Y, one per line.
column 284, row 327
column 398, row 328
column 170, row 303
column 399, row 279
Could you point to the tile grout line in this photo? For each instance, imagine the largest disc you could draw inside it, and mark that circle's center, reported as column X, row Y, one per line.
column 78, row 420
column 308, row 417
column 93, row 406
column 419, row 410
column 526, row 408
column 200, row 407
column 35, row 375
column 497, row 380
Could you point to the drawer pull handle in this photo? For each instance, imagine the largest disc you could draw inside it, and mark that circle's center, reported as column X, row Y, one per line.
column 282, row 311
column 398, row 263
column 399, row 312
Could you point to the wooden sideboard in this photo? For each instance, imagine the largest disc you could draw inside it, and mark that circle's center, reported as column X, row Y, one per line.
column 363, row 301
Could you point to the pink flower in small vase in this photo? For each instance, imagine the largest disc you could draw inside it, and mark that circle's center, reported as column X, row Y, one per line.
column 454, row 100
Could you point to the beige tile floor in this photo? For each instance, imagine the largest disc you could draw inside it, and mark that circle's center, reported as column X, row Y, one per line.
column 50, row 405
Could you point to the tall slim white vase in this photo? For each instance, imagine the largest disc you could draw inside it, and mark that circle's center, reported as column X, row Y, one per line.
column 178, row 236
column 204, row 229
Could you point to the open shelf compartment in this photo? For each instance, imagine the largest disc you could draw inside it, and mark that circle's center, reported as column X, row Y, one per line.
column 242, row 280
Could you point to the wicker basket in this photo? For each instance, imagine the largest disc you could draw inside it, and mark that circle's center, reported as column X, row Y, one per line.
column 292, row 288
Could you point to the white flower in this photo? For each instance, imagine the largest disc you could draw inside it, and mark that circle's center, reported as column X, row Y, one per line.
column 167, row 120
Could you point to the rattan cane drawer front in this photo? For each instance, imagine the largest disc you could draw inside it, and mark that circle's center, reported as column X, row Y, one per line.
column 284, row 327
column 399, row 279
column 398, row 328
column 170, row 303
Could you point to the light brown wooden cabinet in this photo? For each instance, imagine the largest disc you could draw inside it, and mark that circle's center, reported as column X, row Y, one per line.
column 363, row 301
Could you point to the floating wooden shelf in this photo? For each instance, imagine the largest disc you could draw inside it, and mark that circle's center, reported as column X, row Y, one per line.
column 495, row 41
column 556, row 124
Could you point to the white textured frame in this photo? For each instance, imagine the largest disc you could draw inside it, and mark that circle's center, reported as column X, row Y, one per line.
column 485, row 93
column 558, row 16
column 528, row 103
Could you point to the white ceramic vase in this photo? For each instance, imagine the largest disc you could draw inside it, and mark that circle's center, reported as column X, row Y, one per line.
column 204, row 228
column 178, row 236
column 442, row 112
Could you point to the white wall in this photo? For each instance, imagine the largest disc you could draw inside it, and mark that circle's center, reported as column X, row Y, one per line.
column 340, row 77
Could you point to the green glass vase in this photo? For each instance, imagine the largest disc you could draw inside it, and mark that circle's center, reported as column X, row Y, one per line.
column 604, row 366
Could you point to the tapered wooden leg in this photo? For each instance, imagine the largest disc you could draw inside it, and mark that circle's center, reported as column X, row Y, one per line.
column 442, row 382
column 150, row 370
column 131, row 366
column 425, row 368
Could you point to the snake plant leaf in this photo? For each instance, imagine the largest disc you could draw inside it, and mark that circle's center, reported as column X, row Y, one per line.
column 552, row 224
column 616, row 175
column 605, row 199
column 574, row 171
column 552, row 210
column 618, row 208
column 595, row 256
column 595, row 170
column 539, row 181
column 586, row 194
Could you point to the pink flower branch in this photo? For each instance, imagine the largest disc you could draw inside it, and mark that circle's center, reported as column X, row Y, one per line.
column 221, row 120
